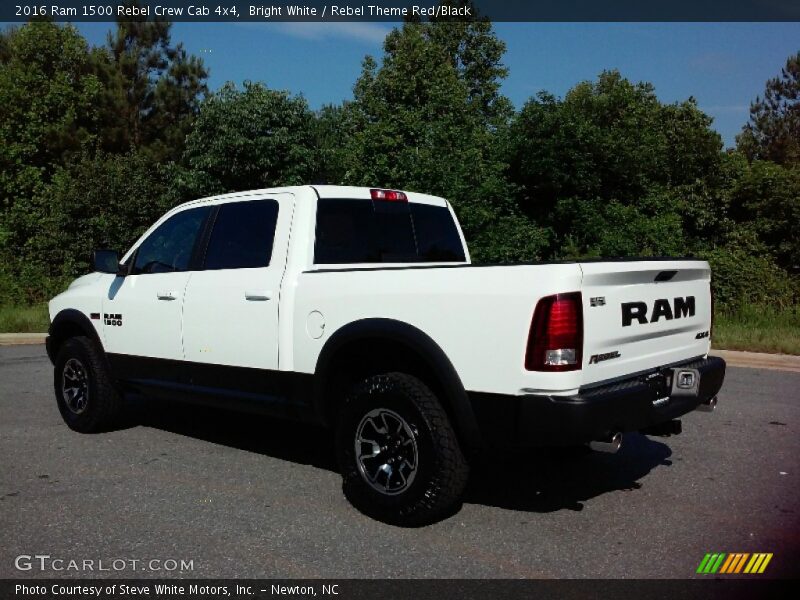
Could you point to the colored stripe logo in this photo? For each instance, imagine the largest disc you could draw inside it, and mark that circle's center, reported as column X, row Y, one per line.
column 734, row 562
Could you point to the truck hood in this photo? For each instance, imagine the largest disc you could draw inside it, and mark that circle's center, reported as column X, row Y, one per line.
column 85, row 280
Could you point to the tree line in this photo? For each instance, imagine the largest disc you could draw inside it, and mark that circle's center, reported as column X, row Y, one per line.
column 97, row 142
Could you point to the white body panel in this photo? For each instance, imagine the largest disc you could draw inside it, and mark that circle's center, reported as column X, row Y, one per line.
column 230, row 316
column 479, row 316
column 85, row 295
column 643, row 345
column 151, row 307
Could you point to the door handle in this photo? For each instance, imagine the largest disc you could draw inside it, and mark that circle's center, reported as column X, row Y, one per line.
column 166, row 295
column 258, row 295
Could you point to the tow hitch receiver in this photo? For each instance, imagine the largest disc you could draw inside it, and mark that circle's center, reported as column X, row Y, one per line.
column 685, row 382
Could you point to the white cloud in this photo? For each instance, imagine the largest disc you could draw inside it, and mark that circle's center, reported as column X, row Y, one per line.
column 715, row 62
column 372, row 33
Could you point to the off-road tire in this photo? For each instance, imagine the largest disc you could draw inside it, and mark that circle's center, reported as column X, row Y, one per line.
column 103, row 407
column 441, row 472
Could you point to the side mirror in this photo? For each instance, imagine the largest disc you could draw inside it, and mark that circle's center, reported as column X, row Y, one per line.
column 105, row 261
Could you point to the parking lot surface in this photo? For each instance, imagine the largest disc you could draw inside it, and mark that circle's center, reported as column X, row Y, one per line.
column 243, row 496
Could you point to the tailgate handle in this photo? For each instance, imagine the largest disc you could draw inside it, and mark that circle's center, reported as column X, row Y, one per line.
column 665, row 275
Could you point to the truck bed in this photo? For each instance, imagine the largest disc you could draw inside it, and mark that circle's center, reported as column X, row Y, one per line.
column 480, row 315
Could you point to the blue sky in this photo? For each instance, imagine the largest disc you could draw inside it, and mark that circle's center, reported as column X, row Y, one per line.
column 723, row 65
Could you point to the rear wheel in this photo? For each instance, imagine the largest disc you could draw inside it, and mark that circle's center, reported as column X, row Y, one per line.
column 398, row 453
column 85, row 394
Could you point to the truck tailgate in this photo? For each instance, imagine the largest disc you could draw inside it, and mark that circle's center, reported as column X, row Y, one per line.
column 640, row 315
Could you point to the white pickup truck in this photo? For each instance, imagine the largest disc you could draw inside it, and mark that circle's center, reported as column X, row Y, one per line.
column 358, row 308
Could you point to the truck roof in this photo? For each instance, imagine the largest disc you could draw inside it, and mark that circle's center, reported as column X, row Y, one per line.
column 344, row 192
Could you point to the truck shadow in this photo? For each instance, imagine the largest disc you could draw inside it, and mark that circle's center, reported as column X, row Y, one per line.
column 286, row 440
column 552, row 479
column 542, row 480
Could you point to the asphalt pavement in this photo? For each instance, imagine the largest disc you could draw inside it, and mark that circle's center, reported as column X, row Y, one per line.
column 241, row 496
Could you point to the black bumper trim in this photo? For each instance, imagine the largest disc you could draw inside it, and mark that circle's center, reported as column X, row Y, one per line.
column 624, row 405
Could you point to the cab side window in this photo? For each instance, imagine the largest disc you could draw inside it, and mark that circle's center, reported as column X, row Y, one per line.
column 243, row 235
column 169, row 248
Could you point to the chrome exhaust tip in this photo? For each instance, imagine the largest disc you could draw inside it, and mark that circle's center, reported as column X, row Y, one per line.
column 609, row 445
column 709, row 405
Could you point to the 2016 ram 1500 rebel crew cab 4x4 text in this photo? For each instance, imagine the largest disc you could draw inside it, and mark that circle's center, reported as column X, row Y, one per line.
column 358, row 308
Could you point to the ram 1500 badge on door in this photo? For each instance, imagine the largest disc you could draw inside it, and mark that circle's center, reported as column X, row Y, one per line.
column 358, row 308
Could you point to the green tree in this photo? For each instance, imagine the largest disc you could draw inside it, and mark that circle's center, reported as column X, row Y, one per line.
column 249, row 138
column 152, row 89
column 607, row 167
column 475, row 51
column 98, row 201
column 416, row 124
column 773, row 132
column 47, row 102
column 766, row 198
column 177, row 97
column 742, row 278
column 605, row 228
column 47, row 114
column 332, row 126
column 610, row 138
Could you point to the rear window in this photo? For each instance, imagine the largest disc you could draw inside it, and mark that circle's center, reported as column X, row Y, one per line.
column 367, row 231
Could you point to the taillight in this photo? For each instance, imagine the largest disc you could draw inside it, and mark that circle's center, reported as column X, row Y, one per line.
column 390, row 195
column 555, row 340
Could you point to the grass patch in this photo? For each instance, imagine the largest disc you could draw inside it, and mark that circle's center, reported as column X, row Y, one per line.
column 24, row 319
column 758, row 329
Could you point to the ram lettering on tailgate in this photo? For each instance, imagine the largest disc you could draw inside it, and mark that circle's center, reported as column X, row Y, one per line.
column 680, row 307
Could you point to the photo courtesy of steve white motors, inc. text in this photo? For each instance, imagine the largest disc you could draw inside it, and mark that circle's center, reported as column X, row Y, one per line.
column 172, row 589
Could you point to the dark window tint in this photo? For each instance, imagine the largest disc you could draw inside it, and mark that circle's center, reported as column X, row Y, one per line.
column 169, row 247
column 395, row 232
column 363, row 231
column 345, row 231
column 436, row 233
column 243, row 235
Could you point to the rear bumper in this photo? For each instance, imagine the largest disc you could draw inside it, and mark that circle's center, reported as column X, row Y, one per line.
column 524, row 421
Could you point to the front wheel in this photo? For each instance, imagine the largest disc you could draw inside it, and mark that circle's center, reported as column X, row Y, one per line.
column 399, row 456
column 86, row 396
